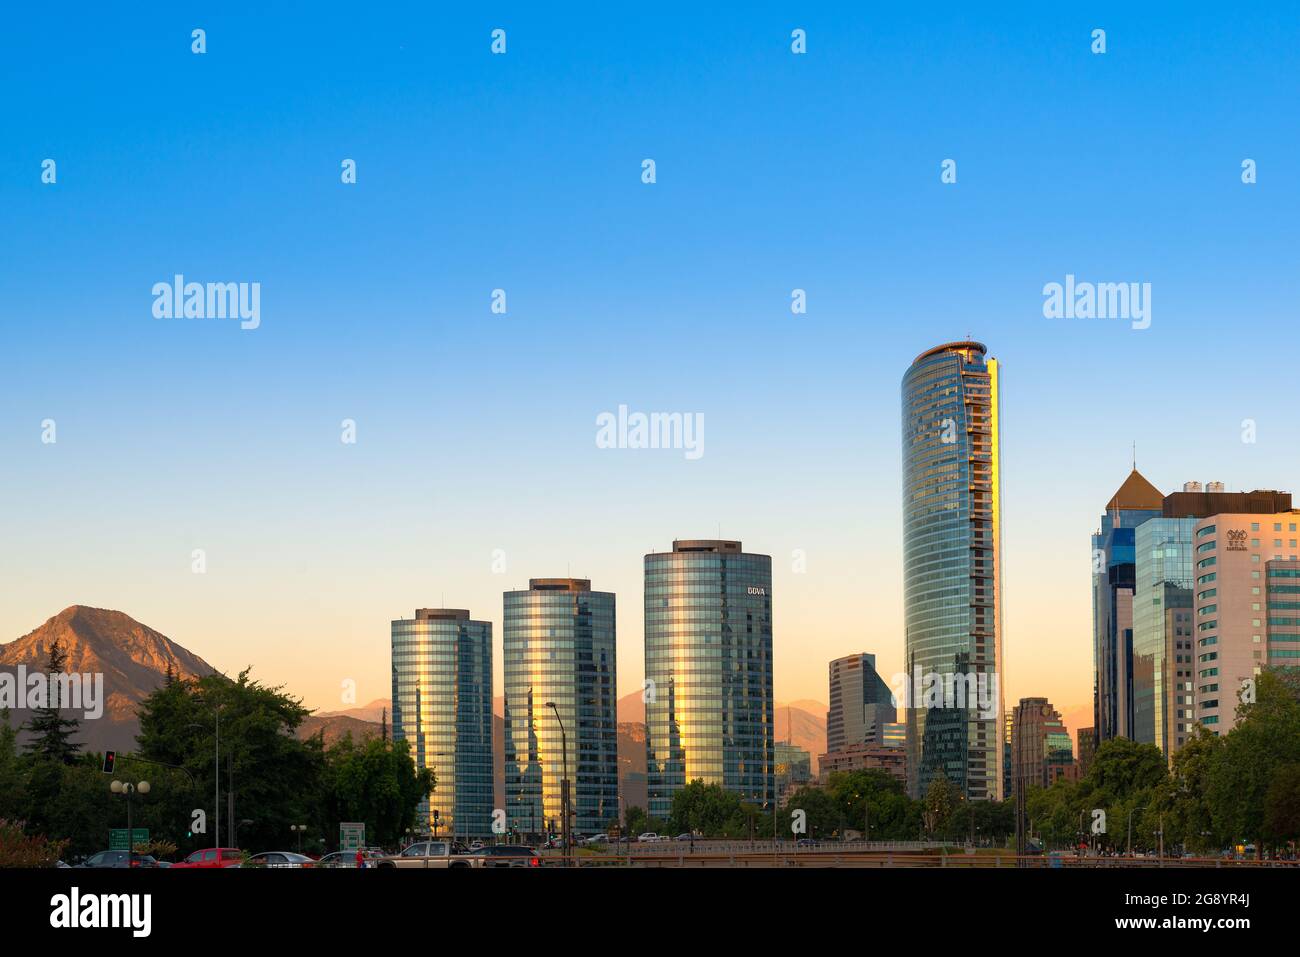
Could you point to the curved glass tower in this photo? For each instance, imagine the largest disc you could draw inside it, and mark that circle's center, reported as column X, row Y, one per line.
column 559, row 649
column 952, row 570
column 442, row 706
column 708, row 652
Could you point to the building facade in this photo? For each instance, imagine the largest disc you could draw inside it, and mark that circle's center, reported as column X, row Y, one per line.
column 442, row 707
column 1113, row 570
column 1232, row 553
column 1041, row 751
column 560, row 706
column 861, row 704
column 952, row 564
column 708, row 667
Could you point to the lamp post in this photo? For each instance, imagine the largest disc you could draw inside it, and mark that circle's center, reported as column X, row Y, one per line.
column 564, row 785
column 127, row 788
column 299, row 828
column 216, row 776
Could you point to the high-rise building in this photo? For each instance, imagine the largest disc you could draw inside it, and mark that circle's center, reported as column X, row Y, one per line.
column 708, row 667
column 1283, row 595
column 952, row 565
column 1040, row 745
column 442, row 706
column 1164, row 669
column 1113, row 569
column 1234, row 609
column 1164, row 662
column 861, row 703
column 560, row 706
column 1087, row 749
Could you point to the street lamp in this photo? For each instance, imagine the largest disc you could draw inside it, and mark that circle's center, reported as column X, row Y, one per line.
column 127, row 788
column 299, row 828
column 564, row 784
column 216, row 776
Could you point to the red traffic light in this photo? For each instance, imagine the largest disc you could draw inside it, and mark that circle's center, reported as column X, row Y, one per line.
column 110, row 758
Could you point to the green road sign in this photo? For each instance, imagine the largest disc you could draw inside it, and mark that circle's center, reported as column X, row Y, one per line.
column 352, row 835
column 117, row 838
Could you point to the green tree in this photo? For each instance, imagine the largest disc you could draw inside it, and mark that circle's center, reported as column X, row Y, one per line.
column 377, row 782
column 1282, row 806
column 941, row 799
column 52, row 733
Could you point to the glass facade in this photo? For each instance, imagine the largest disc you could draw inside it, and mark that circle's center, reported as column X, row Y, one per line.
column 952, row 563
column 1284, row 611
column 1113, row 568
column 861, row 704
column 1164, row 660
column 442, row 706
column 559, row 649
column 708, row 662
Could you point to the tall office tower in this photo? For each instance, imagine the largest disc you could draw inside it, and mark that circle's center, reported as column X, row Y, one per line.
column 1233, row 607
column 1164, row 662
column 708, row 664
column 952, row 565
column 1164, row 673
column 1040, row 744
column 559, row 651
column 861, row 703
column 1112, row 604
column 442, row 706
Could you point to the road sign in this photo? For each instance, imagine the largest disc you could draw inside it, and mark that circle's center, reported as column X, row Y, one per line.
column 117, row 838
column 352, row 835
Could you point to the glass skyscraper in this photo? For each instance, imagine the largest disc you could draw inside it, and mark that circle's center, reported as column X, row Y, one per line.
column 1113, row 568
column 708, row 664
column 442, row 706
column 559, row 650
column 1164, row 661
column 861, row 704
column 952, row 564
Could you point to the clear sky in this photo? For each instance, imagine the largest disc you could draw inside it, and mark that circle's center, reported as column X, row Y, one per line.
column 522, row 171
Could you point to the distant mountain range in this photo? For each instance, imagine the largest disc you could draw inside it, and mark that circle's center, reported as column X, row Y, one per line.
column 132, row 657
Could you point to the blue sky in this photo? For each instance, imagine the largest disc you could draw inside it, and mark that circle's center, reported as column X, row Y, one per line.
column 522, row 172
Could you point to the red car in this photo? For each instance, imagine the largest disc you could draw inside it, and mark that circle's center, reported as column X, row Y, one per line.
column 213, row 857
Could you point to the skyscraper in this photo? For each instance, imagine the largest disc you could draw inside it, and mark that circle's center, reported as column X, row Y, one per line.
column 861, row 703
column 1113, row 571
column 1040, row 744
column 952, row 564
column 708, row 667
column 442, row 706
column 559, row 650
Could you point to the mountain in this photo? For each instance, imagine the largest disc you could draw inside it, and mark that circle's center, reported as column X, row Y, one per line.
column 336, row 726
column 132, row 657
column 372, row 713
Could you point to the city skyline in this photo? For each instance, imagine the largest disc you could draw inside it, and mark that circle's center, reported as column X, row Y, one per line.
column 820, row 173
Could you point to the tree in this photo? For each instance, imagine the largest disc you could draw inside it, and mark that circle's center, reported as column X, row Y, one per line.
column 941, row 799
column 1282, row 806
column 52, row 733
column 377, row 782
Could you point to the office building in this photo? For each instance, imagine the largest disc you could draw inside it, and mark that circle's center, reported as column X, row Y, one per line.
column 1040, row 745
column 708, row 664
column 442, row 707
column 952, row 565
column 861, row 704
column 560, row 698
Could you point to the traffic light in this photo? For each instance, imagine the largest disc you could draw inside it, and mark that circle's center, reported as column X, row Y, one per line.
column 110, row 758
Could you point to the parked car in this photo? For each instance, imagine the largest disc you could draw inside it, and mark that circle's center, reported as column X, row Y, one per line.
column 213, row 857
column 426, row 854
column 348, row 859
column 506, row 855
column 278, row 859
column 649, row 837
column 118, row 859
column 683, row 837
